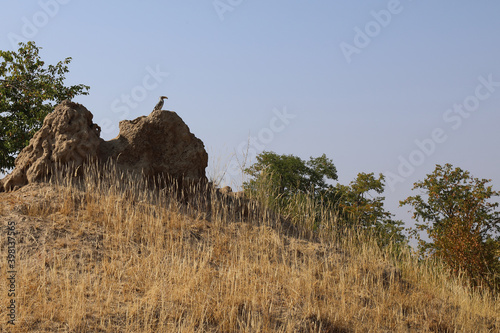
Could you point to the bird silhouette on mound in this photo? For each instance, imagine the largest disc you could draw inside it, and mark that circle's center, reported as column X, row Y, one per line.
column 159, row 105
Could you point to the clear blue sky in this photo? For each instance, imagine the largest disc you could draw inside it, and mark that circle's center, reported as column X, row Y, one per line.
column 362, row 79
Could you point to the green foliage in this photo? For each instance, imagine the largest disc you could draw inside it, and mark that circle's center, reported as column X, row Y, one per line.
column 460, row 221
column 299, row 190
column 290, row 174
column 289, row 185
column 361, row 209
column 29, row 90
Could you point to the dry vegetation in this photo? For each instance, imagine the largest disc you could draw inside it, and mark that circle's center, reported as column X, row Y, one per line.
column 110, row 256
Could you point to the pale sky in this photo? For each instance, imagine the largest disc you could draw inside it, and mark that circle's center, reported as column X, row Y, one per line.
column 391, row 87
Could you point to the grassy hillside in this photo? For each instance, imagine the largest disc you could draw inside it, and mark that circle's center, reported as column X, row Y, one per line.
column 112, row 256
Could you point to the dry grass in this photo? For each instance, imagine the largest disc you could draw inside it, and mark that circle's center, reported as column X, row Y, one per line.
column 110, row 256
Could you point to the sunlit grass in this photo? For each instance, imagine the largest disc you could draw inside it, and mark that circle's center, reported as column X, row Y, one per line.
column 110, row 253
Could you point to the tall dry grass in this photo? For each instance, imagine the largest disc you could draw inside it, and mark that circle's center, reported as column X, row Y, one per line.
column 114, row 254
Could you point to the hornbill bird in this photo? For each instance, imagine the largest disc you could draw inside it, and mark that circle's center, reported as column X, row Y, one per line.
column 159, row 105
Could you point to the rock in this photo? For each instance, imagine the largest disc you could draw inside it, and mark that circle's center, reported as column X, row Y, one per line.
column 159, row 144
column 156, row 145
column 226, row 190
column 67, row 136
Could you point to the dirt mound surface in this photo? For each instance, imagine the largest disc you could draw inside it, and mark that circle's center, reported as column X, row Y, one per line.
column 160, row 144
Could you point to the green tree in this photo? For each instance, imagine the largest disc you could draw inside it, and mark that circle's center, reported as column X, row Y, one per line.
column 295, row 188
column 29, row 90
column 286, row 175
column 461, row 222
column 362, row 206
column 300, row 190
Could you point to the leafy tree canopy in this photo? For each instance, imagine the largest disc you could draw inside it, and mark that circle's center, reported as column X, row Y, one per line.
column 29, row 90
column 286, row 182
column 362, row 205
column 290, row 174
column 462, row 223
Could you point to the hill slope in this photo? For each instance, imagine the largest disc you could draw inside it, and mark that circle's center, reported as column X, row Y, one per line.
column 108, row 257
